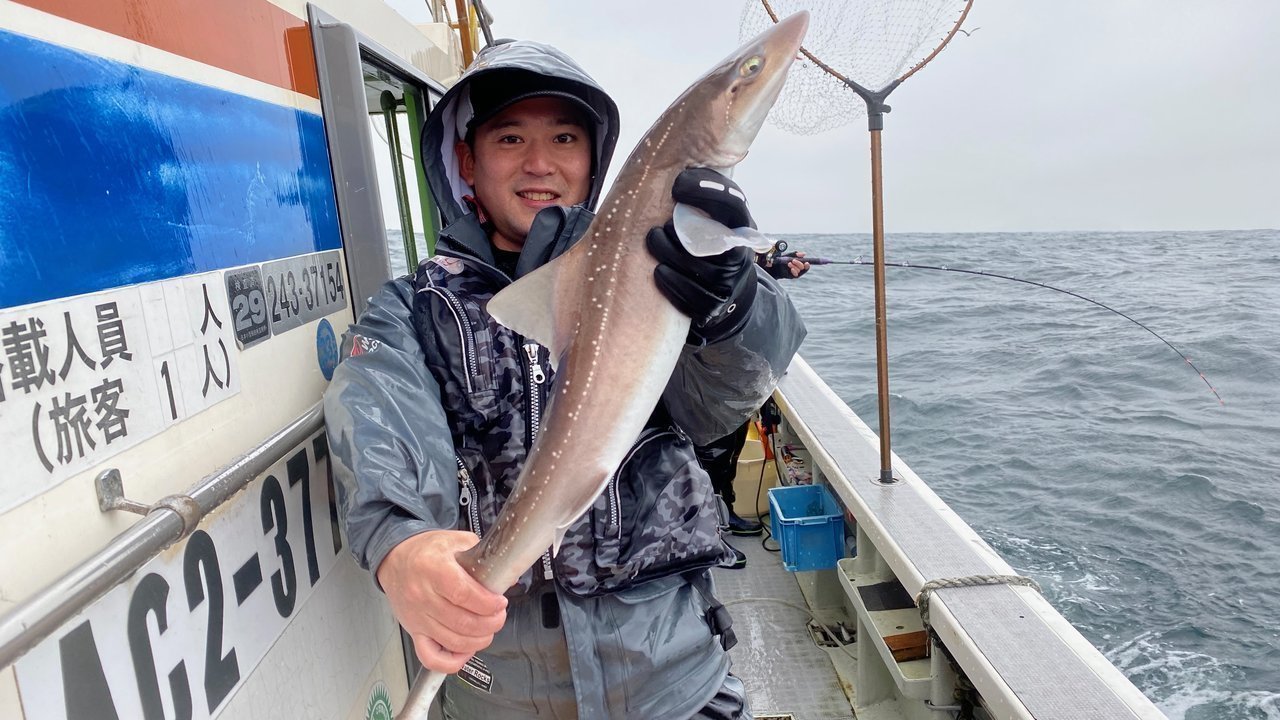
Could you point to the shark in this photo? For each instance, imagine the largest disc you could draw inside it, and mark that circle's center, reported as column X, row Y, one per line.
column 614, row 339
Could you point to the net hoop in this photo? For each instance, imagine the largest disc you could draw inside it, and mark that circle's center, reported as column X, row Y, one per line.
column 864, row 46
column 916, row 68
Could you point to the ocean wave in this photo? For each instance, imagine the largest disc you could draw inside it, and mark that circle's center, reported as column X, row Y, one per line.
column 1189, row 685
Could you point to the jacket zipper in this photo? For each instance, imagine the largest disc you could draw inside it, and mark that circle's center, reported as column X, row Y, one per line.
column 469, row 498
column 536, row 377
column 465, row 332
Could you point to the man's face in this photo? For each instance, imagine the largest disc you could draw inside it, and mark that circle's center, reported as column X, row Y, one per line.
column 532, row 155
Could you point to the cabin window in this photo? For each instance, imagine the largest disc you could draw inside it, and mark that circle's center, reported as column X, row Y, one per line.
column 397, row 109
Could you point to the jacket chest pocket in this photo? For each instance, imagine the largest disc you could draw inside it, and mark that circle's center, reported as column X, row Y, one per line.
column 465, row 366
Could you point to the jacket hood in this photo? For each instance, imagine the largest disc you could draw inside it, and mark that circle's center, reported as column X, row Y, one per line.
column 446, row 124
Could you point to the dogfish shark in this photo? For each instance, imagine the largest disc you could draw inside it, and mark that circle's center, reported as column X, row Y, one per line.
column 614, row 339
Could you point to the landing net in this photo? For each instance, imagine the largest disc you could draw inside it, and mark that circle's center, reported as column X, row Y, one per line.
column 874, row 43
column 855, row 53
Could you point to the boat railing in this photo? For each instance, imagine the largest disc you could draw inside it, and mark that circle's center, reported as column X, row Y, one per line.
column 166, row 522
column 1024, row 659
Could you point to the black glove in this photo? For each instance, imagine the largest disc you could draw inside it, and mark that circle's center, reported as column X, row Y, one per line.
column 716, row 292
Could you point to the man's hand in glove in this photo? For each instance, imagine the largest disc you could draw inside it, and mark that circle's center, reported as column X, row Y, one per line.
column 716, row 292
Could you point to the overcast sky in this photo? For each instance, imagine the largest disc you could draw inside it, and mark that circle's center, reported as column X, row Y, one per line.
column 1079, row 115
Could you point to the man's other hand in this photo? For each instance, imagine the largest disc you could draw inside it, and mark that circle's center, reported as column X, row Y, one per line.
column 786, row 268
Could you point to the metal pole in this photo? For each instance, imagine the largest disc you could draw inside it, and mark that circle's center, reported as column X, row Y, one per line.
column 464, row 31
column 882, row 333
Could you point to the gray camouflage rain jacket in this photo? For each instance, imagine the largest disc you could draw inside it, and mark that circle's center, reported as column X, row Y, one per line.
column 435, row 406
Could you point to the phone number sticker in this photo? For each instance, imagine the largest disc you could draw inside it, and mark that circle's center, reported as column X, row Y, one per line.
column 178, row 637
column 302, row 289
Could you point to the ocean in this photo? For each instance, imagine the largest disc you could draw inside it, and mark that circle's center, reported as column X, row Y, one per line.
column 1083, row 449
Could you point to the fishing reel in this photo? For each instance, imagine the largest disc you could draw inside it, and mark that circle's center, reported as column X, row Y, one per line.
column 776, row 253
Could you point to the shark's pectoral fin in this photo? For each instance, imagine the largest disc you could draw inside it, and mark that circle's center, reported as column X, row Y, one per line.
column 703, row 236
column 536, row 306
column 559, row 539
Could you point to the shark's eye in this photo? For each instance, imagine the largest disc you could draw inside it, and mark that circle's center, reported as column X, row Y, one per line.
column 751, row 66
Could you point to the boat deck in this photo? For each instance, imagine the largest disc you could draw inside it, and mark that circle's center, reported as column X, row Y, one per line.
column 786, row 674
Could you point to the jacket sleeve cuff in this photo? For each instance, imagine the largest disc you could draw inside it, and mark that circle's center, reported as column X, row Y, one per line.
column 393, row 532
column 715, row 387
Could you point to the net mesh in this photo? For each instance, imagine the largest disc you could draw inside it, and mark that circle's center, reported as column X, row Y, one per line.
column 871, row 42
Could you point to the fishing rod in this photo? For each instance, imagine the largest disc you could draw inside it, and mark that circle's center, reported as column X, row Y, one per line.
column 943, row 268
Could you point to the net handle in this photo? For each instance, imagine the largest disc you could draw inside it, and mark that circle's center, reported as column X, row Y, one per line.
column 831, row 71
column 876, row 108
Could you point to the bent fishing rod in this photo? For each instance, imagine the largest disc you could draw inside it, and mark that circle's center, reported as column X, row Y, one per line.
column 943, row 268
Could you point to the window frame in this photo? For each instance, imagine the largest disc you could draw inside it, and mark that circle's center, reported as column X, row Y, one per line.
column 341, row 52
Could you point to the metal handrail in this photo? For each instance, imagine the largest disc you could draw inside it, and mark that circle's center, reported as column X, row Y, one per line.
column 32, row 621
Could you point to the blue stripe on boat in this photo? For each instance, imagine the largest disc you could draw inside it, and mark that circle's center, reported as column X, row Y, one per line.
column 111, row 175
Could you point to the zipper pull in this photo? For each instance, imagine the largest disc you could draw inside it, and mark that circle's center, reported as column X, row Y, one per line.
column 466, row 506
column 535, row 367
column 680, row 433
column 546, row 566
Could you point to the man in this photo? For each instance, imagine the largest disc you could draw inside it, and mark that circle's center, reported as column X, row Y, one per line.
column 432, row 414
column 720, row 456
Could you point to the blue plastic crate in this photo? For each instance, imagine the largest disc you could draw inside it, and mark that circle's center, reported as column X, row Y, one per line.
column 808, row 524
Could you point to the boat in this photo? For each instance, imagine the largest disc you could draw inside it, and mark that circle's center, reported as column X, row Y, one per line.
column 191, row 212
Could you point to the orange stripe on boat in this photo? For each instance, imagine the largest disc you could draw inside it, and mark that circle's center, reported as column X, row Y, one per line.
column 252, row 38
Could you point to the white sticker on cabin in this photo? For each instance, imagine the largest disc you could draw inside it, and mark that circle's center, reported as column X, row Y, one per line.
column 184, row 632
column 84, row 378
column 302, row 289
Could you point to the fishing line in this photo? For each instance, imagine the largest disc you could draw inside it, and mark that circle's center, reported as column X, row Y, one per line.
column 943, row 268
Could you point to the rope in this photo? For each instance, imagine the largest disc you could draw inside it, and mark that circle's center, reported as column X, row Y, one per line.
column 927, row 590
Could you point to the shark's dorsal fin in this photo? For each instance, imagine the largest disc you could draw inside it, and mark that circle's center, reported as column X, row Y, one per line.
column 703, row 236
column 535, row 305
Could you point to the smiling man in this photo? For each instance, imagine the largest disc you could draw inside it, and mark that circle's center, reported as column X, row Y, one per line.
column 435, row 407
column 525, row 155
